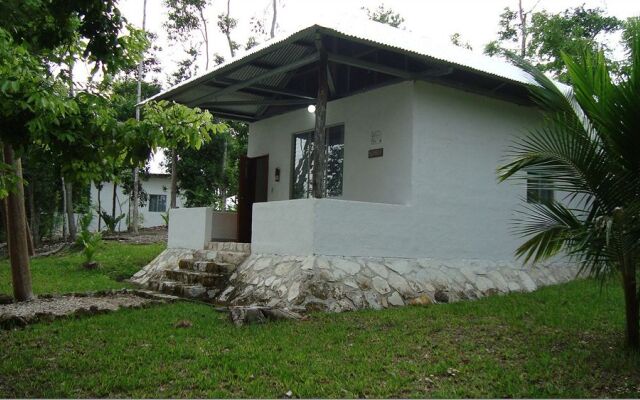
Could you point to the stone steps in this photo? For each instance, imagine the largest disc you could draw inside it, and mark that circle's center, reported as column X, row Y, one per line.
column 205, row 279
column 215, row 267
column 186, row 290
column 206, row 275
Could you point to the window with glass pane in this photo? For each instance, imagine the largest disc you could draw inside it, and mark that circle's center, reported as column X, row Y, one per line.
column 537, row 190
column 302, row 167
column 157, row 202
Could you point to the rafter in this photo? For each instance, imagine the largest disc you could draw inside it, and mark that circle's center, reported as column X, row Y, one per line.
column 246, row 83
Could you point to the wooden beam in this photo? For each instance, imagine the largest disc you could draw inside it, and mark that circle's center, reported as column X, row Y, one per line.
column 260, row 102
column 218, row 112
column 243, row 84
column 319, row 134
column 330, row 82
column 355, row 62
column 372, row 66
column 220, row 82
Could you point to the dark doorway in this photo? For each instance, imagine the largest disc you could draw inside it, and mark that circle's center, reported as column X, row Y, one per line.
column 253, row 187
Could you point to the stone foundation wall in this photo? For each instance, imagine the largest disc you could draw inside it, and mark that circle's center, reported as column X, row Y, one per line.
column 350, row 283
column 338, row 284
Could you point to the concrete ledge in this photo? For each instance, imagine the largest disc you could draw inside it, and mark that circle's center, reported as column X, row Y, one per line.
column 190, row 228
column 334, row 227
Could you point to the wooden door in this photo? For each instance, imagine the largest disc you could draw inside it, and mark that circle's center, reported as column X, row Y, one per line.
column 252, row 188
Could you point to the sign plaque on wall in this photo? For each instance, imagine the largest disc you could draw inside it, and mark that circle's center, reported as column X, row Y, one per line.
column 373, row 153
column 376, row 137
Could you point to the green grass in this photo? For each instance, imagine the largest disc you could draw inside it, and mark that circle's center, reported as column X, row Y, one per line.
column 64, row 273
column 562, row 341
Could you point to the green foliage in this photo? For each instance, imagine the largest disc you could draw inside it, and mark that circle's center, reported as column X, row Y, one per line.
column 385, row 15
column 89, row 241
column 588, row 147
column 457, row 40
column 548, row 35
column 173, row 125
column 202, row 179
column 165, row 218
column 109, row 221
column 42, row 26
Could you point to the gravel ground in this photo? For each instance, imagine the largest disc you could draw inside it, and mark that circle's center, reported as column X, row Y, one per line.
column 47, row 308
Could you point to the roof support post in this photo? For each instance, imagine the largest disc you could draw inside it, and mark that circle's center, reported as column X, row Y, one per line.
column 319, row 136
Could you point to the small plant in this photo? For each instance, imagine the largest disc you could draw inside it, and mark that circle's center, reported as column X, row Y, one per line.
column 111, row 222
column 165, row 218
column 89, row 241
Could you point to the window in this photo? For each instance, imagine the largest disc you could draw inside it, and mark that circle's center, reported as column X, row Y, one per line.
column 157, row 202
column 302, row 166
column 538, row 190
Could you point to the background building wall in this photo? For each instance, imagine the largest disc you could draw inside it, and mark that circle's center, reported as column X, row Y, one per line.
column 156, row 184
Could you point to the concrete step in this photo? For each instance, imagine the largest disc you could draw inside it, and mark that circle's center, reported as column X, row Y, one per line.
column 229, row 246
column 216, row 267
column 206, row 279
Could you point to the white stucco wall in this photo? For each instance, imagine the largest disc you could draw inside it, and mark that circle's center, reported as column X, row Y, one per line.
column 437, row 177
column 459, row 141
column 154, row 185
column 190, row 228
column 383, row 180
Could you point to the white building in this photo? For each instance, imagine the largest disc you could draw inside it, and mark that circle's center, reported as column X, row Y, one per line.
column 157, row 188
column 415, row 133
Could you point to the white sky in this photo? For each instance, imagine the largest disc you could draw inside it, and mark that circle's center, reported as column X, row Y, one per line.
column 475, row 20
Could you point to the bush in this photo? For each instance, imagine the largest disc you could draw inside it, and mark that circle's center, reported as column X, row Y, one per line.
column 87, row 240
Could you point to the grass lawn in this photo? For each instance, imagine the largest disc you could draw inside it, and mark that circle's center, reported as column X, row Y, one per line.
column 563, row 341
column 63, row 273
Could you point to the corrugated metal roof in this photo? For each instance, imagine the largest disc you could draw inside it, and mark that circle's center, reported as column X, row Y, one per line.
column 281, row 50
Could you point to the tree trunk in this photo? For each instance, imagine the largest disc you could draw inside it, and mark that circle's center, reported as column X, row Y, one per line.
column 135, row 193
column 99, row 187
column 274, row 19
column 205, row 36
column 224, row 175
column 68, row 187
column 523, row 29
column 631, row 304
column 113, row 200
column 174, row 178
column 319, row 151
column 34, row 220
column 17, row 233
column 228, row 30
column 64, row 203
column 133, row 203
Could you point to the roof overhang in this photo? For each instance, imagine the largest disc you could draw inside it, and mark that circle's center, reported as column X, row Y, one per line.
column 281, row 75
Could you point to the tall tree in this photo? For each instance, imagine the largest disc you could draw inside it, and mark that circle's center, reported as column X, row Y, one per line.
column 274, row 18
column 540, row 37
column 186, row 16
column 588, row 147
column 133, row 221
column 226, row 25
column 34, row 105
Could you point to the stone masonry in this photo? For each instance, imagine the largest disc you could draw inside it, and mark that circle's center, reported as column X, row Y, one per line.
column 338, row 284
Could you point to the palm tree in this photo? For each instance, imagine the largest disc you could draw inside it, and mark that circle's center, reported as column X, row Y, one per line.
column 588, row 147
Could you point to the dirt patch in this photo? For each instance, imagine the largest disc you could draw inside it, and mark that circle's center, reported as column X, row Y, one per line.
column 156, row 234
column 46, row 308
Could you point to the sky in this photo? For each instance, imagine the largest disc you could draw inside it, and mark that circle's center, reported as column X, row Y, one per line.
column 475, row 20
